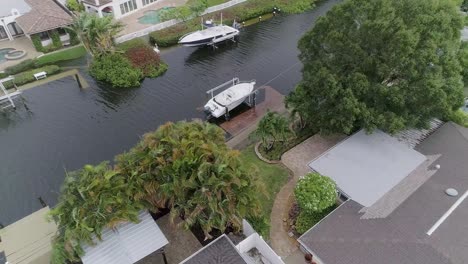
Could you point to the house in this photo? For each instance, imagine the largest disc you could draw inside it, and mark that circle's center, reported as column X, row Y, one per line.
column 28, row 241
column 34, row 18
column 115, row 8
column 126, row 243
column 405, row 205
column 252, row 249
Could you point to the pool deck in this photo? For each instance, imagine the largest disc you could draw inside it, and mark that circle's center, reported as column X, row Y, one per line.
column 131, row 21
column 21, row 43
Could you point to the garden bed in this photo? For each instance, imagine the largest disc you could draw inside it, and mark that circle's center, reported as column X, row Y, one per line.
column 278, row 148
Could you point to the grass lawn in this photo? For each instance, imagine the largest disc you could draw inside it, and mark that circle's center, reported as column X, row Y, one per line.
column 63, row 55
column 273, row 177
column 210, row 2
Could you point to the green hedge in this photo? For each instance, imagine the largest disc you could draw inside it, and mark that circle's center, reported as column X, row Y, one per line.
column 3, row 75
column 20, row 67
column 28, row 76
column 307, row 220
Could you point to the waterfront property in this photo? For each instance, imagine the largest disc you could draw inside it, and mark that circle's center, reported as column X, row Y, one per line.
column 399, row 211
column 121, row 8
column 22, row 21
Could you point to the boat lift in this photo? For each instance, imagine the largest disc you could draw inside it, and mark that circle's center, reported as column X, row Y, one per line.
column 8, row 97
column 251, row 102
column 231, row 37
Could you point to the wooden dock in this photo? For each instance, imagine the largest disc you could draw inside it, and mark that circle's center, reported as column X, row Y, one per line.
column 244, row 117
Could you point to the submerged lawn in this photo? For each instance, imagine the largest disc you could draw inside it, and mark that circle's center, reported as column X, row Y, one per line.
column 273, row 177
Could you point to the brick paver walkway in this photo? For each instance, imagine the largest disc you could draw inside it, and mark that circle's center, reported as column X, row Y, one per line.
column 296, row 159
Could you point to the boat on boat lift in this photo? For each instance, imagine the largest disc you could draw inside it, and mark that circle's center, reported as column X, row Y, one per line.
column 211, row 34
column 230, row 98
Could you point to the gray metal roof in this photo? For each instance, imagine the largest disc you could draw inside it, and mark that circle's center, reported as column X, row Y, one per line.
column 8, row 5
column 219, row 251
column 365, row 167
column 344, row 237
column 127, row 243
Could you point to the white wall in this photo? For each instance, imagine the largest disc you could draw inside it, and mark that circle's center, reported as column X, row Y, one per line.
column 256, row 241
column 7, row 20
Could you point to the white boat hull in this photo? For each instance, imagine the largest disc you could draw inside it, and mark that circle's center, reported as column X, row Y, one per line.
column 229, row 99
column 209, row 36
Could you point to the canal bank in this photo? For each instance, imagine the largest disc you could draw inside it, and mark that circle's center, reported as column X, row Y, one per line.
column 59, row 127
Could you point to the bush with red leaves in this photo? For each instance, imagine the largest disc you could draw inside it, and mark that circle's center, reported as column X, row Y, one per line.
column 147, row 60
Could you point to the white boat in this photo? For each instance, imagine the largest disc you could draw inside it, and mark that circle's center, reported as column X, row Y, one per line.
column 228, row 99
column 210, row 34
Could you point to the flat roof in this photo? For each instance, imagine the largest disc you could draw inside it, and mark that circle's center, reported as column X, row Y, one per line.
column 366, row 166
column 127, row 243
column 28, row 240
column 219, row 251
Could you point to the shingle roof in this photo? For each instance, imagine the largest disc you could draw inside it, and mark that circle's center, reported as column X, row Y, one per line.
column 44, row 15
column 220, row 251
column 343, row 237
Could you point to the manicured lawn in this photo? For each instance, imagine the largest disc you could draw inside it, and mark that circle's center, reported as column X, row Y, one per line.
column 273, row 177
column 63, row 55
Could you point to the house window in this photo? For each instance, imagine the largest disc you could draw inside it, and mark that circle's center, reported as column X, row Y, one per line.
column 3, row 34
column 147, row 2
column 44, row 35
column 128, row 6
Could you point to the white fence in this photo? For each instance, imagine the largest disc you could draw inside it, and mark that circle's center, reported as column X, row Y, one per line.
column 256, row 241
column 173, row 22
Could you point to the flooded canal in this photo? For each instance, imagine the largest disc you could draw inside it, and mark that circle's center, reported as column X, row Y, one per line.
column 59, row 127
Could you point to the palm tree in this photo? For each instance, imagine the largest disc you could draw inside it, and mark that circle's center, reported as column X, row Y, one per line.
column 272, row 127
column 92, row 199
column 194, row 174
column 96, row 33
column 293, row 103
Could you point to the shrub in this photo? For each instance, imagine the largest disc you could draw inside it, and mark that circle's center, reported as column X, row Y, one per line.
column 145, row 59
column 133, row 43
column 37, row 43
column 460, row 117
column 56, row 42
column 28, row 76
column 3, row 75
column 116, row 70
column 315, row 193
column 307, row 220
column 20, row 67
column 261, row 224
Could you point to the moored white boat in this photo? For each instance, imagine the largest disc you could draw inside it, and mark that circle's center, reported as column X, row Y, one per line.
column 209, row 36
column 230, row 98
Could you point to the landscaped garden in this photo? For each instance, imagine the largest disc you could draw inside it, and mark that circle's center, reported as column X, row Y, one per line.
column 120, row 66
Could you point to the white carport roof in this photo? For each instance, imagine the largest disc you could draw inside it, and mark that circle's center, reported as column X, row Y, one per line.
column 366, row 166
column 127, row 243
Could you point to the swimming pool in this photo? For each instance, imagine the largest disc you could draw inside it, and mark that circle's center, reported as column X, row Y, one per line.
column 3, row 52
column 152, row 16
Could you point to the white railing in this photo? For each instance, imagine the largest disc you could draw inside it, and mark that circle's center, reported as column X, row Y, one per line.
column 172, row 22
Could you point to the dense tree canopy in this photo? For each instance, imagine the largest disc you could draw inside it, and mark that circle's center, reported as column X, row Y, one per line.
column 185, row 167
column 387, row 64
column 188, row 168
